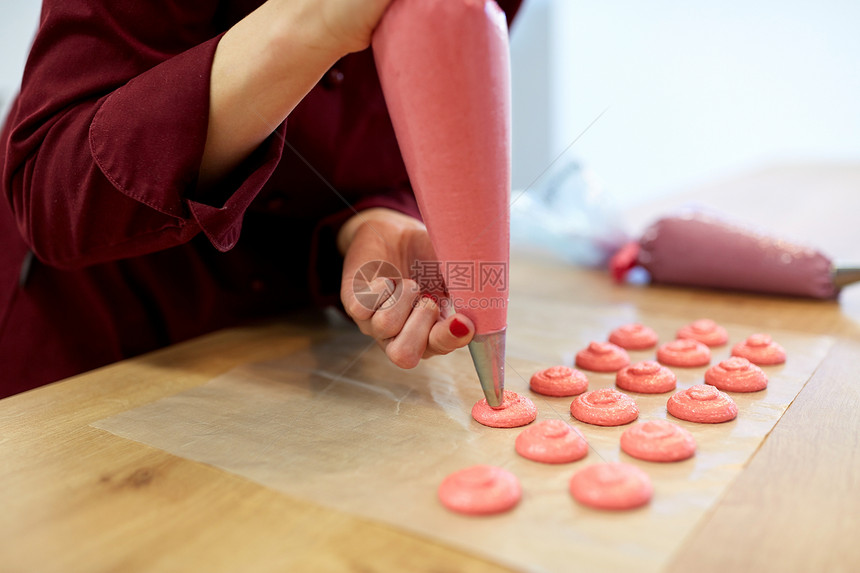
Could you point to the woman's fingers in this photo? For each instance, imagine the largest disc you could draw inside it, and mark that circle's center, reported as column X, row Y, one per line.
column 450, row 334
column 409, row 345
column 362, row 300
column 408, row 325
column 390, row 318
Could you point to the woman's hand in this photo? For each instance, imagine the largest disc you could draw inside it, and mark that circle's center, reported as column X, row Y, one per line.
column 381, row 247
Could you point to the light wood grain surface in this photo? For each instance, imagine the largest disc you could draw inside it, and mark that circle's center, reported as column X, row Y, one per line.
column 74, row 498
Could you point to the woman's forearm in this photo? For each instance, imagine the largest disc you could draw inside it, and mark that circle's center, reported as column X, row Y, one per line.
column 263, row 67
column 266, row 64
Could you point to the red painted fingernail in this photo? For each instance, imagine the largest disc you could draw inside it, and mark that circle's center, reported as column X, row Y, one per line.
column 458, row 329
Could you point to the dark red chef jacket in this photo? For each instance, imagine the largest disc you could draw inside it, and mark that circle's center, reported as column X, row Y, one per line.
column 107, row 252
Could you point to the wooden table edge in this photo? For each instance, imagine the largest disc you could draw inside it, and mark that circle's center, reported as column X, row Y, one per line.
column 806, row 473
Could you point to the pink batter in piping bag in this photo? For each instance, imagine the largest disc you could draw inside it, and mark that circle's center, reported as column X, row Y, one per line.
column 706, row 251
column 444, row 67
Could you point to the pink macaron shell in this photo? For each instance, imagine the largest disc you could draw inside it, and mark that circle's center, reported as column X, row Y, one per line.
column 658, row 441
column 515, row 411
column 646, row 377
column 551, row 442
column 634, row 336
column 703, row 404
column 480, row 490
column 604, row 407
column 684, row 353
column 705, row 331
column 559, row 381
column 614, row 485
column 736, row 374
column 602, row 357
column 760, row 349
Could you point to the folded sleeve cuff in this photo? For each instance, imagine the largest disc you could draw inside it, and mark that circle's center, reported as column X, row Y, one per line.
column 148, row 136
column 223, row 224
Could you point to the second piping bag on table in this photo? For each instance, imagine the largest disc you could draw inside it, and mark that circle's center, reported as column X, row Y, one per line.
column 707, row 250
column 444, row 68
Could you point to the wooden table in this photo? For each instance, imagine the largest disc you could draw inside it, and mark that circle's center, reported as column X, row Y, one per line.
column 75, row 498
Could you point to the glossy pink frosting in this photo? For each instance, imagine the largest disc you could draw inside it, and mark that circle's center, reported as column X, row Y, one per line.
column 760, row 349
column 658, row 441
column 602, row 357
column 736, row 374
column 480, row 490
column 614, row 485
column 634, row 336
column 559, row 381
column 604, row 407
column 705, row 331
column 646, row 377
column 551, row 442
column 684, row 352
column 515, row 411
column 703, row 404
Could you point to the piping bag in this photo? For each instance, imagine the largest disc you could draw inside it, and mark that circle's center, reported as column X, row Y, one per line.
column 444, row 68
column 704, row 250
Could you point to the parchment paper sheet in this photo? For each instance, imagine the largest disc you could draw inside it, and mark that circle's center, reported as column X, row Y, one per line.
column 340, row 426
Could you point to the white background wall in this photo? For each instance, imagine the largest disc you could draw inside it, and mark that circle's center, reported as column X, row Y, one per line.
column 18, row 21
column 694, row 88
